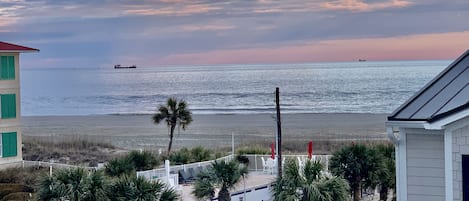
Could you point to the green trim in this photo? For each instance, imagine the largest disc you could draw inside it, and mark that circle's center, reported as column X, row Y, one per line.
column 8, row 106
column 9, row 144
column 7, row 67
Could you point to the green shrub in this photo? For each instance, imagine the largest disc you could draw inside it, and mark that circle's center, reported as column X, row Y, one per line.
column 180, row 157
column 144, row 160
column 196, row 154
column 200, row 154
column 255, row 149
column 119, row 166
column 242, row 159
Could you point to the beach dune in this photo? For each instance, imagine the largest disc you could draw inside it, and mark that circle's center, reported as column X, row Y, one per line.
column 212, row 131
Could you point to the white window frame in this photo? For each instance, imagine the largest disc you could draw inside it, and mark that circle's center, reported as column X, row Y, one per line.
column 1, row 145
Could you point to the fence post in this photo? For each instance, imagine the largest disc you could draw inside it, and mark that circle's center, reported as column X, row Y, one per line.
column 50, row 170
column 167, row 170
column 255, row 161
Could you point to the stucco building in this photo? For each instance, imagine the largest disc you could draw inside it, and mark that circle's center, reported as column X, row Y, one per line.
column 10, row 112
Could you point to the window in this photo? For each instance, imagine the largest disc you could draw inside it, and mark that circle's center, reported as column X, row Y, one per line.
column 8, row 144
column 7, row 67
column 8, row 106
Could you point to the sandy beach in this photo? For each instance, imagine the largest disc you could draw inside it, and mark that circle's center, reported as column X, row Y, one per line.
column 212, row 131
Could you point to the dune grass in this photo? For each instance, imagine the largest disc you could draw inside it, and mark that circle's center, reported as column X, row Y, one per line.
column 73, row 151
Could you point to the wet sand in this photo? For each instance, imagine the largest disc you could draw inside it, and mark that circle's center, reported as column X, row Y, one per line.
column 213, row 131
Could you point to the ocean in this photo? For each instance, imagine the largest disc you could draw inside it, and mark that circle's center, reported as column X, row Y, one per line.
column 344, row 87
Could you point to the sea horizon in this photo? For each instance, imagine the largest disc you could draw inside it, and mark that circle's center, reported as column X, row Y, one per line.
column 322, row 87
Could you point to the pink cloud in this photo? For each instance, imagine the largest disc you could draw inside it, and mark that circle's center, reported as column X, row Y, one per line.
column 414, row 47
column 207, row 27
column 360, row 6
column 176, row 9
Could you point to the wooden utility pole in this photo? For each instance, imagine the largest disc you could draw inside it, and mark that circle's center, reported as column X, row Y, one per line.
column 279, row 134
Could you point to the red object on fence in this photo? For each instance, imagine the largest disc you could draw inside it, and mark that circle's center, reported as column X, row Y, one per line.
column 272, row 150
column 310, row 149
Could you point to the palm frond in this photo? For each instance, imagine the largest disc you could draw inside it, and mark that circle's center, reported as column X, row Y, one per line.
column 312, row 170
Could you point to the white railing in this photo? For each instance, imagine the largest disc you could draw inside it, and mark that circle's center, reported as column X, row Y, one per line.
column 257, row 162
column 25, row 164
column 172, row 181
column 161, row 172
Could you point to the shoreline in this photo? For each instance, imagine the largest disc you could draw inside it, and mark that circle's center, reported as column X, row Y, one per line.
column 210, row 114
column 208, row 130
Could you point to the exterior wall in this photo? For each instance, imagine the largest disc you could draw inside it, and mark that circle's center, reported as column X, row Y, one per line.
column 460, row 139
column 12, row 125
column 425, row 165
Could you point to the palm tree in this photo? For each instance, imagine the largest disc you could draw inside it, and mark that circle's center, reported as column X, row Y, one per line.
column 309, row 184
column 221, row 174
column 357, row 164
column 175, row 113
column 75, row 185
column 385, row 177
column 132, row 188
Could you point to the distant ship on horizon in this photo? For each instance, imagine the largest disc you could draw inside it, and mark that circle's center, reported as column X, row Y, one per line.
column 361, row 60
column 120, row 66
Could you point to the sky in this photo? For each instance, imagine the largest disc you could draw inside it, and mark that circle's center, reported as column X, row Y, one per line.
column 101, row 33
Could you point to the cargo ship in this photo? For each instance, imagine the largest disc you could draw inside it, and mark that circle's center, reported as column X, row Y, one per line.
column 120, row 66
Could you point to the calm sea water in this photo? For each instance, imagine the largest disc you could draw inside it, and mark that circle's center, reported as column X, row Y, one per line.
column 358, row 87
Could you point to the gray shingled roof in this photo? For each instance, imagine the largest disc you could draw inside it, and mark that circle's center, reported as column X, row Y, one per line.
column 446, row 94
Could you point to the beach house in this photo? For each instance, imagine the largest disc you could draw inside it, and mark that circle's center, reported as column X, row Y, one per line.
column 431, row 134
column 10, row 116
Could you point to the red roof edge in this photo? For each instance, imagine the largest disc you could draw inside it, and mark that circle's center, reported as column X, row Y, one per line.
column 9, row 47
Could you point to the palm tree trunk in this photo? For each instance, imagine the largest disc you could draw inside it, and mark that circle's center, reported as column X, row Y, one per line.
column 356, row 193
column 171, row 134
column 383, row 193
column 224, row 194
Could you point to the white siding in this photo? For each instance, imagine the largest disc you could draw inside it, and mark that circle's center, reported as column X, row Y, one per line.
column 425, row 167
column 460, row 147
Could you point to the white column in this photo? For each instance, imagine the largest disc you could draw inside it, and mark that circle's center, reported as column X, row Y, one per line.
column 448, row 165
column 167, row 169
column 401, row 161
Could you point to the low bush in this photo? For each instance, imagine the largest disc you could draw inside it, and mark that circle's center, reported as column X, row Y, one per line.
column 180, row 157
column 144, row 160
column 196, row 154
column 133, row 161
column 200, row 154
column 119, row 166
column 242, row 159
column 253, row 149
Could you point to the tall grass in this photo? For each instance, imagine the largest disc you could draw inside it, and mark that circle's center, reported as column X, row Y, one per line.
column 73, row 151
column 323, row 146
